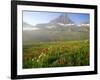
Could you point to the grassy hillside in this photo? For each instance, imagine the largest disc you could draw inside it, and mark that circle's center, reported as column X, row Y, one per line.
column 30, row 37
column 56, row 54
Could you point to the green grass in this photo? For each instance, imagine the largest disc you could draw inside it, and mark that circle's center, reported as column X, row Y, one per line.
column 56, row 54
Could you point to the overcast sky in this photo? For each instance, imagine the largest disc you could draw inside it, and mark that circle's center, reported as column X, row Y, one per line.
column 34, row 18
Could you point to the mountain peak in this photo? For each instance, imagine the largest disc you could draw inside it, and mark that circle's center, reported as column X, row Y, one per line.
column 63, row 18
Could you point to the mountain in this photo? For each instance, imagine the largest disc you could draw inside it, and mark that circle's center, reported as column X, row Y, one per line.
column 63, row 19
column 59, row 23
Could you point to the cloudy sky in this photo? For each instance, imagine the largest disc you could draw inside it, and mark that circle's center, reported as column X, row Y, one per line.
column 33, row 18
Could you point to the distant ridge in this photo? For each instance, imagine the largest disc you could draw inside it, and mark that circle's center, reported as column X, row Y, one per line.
column 25, row 24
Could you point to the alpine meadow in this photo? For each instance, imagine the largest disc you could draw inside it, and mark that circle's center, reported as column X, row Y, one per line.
column 55, row 39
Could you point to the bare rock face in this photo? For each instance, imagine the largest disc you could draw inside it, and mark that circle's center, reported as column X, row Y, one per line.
column 63, row 18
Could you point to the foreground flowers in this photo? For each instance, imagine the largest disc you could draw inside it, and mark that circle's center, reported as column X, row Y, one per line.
column 57, row 54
